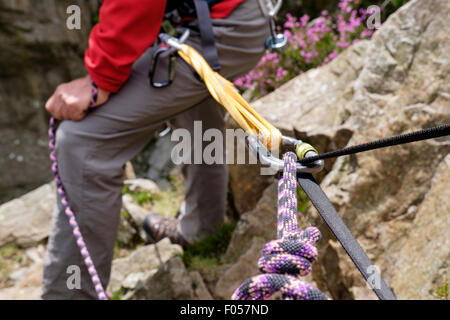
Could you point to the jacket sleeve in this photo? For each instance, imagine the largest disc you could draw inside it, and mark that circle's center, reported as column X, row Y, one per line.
column 126, row 29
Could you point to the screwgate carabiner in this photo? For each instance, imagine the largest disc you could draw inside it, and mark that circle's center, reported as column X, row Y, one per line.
column 302, row 149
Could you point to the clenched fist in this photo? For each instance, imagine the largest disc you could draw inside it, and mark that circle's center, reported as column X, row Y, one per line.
column 70, row 101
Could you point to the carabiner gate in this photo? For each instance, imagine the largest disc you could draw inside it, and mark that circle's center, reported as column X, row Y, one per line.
column 302, row 149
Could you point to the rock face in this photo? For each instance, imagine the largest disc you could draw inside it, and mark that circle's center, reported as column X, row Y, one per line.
column 172, row 282
column 141, row 264
column 395, row 200
column 37, row 52
column 27, row 220
column 28, row 288
column 260, row 222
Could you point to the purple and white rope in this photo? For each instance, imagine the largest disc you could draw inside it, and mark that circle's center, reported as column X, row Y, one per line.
column 68, row 211
column 286, row 259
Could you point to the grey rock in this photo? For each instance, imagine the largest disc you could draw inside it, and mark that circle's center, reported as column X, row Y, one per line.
column 201, row 292
column 126, row 232
column 28, row 287
column 172, row 281
column 141, row 263
column 140, row 185
column 244, row 268
column 260, row 222
column 18, row 274
column 27, row 220
column 37, row 52
column 136, row 212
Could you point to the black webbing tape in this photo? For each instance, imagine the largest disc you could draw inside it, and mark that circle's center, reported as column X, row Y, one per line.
column 209, row 48
column 344, row 236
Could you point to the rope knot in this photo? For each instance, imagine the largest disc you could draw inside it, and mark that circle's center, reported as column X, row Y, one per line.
column 289, row 257
column 292, row 254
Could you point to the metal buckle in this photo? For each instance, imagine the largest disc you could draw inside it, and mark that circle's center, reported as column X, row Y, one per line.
column 276, row 42
column 302, row 149
column 162, row 71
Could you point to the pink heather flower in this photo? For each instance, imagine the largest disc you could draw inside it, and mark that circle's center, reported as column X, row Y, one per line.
column 366, row 33
column 281, row 73
column 333, row 55
column 304, row 20
column 288, row 24
column 343, row 44
column 288, row 34
column 239, row 82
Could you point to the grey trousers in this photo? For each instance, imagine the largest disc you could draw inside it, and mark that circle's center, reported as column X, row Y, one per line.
column 92, row 152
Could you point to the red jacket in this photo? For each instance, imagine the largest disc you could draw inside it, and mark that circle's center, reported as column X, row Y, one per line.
column 126, row 29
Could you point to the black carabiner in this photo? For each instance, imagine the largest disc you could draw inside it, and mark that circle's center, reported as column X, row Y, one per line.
column 162, row 71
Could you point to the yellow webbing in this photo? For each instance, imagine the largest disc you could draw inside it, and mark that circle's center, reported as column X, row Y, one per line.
column 223, row 91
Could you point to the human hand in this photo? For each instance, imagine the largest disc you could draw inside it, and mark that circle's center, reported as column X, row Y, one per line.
column 71, row 100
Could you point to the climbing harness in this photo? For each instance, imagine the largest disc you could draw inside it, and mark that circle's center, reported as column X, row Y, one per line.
column 290, row 257
column 178, row 13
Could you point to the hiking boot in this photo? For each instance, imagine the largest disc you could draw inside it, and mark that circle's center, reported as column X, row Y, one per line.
column 159, row 227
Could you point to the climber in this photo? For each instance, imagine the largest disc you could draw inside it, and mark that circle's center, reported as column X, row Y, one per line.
column 93, row 145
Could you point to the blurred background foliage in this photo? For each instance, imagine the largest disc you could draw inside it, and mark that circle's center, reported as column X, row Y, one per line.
column 317, row 32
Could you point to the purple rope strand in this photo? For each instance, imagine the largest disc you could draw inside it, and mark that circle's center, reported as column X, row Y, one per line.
column 68, row 211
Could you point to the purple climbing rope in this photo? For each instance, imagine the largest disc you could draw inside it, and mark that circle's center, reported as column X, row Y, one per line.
column 68, row 211
column 289, row 257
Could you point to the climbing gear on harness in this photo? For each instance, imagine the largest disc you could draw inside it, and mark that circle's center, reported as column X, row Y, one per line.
column 68, row 211
column 430, row 133
column 276, row 42
column 224, row 92
column 290, row 257
column 177, row 11
column 162, row 71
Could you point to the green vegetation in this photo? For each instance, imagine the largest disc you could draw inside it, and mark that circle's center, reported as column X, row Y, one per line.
column 302, row 200
column 117, row 295
column 9, row 251
column 167, row 202
column 442, row 292
column 141, row 198
column 208, row 251
column 11, row 258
